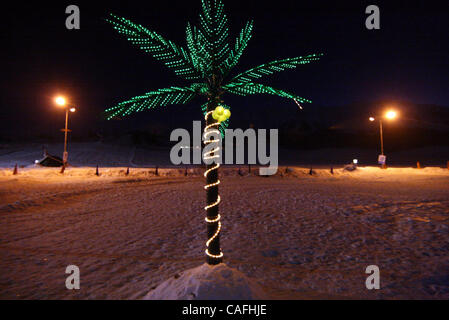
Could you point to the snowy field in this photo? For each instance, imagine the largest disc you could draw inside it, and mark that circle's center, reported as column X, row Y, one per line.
column 299, row 236
column 117, row 155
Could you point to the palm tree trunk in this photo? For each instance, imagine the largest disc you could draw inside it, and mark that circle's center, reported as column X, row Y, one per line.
column 213, row 252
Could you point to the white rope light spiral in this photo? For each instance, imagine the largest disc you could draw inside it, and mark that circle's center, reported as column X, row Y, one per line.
column 209, row 155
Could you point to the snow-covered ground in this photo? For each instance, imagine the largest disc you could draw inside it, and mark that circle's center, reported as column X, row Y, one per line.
column 119, row 155
column 87, row 154
column 299, row 236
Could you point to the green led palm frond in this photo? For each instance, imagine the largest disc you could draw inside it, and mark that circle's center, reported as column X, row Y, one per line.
column 160, row 97
column 199, row 55
column 200, row 88
column 250, row 88
column 174, row 57
column 214, row 32
column 240, row 46
column 204, row 108
column 274, row 66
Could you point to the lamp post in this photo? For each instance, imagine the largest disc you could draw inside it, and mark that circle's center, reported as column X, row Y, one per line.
column 61, row 101
column 390, row 115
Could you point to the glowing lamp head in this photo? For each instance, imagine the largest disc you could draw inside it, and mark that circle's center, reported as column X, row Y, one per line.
column 372, row 119
column 355, row 161
column 72, row 109
column 60, row 101
column 391, row 115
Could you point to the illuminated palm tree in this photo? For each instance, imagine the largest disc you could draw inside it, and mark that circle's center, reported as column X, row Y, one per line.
column 207, row 61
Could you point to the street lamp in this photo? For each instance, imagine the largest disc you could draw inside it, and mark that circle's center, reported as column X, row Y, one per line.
column 389, row 115
column 61, row 101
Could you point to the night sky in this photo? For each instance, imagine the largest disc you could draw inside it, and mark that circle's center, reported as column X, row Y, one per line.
column 405, row 60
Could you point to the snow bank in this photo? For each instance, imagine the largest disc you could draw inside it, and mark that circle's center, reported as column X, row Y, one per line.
column 73, row 174
column 208, row 283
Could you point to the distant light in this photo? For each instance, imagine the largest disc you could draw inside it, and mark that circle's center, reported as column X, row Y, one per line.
column 60, row 101
column 372, row 119
column 36, row 161
column 72, row 109
column 355, row 161
column 391, row 115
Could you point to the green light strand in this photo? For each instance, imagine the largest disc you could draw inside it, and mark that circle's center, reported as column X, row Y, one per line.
column 250, row 88
column 173, row 56
column 161, row 97
column 240, row 46
column 275, row 66
column 214, row 32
